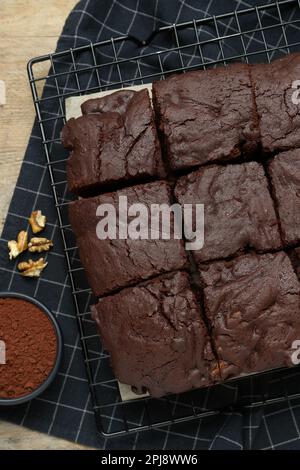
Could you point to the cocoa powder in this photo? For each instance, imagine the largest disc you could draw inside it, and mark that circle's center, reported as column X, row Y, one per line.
column 30, row 344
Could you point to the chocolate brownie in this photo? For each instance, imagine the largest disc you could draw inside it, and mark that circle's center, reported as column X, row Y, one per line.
column 119, row 101
column 238, row 210
column 113, row 264
column 294, row 255
column 205, row 116
column 113, row 143
column 253, row 304
column 279, row 116
column 285, row 176
column 156, row 337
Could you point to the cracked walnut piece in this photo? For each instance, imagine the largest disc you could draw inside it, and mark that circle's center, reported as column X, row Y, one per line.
column 37, row 245
column 32, row 268
column 37, row 221
column 17, row 247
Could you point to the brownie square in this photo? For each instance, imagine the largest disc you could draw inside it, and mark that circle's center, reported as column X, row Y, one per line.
column 207, row 116
column 279, row 116
column 285, row 175
column 113, row 143
column 156, row 337
column 253, row 304
column 238, row 210
column 113, row 264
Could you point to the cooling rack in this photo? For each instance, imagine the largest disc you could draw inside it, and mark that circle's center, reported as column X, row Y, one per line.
column 256, row 34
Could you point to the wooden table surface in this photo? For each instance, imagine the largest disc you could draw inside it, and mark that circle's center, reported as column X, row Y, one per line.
column 28, row 28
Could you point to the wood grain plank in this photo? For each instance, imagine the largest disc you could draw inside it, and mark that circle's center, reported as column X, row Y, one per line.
column 14, row 437
column 34, row 18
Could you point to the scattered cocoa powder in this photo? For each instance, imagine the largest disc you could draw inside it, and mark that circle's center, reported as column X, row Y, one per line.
column 31, row 345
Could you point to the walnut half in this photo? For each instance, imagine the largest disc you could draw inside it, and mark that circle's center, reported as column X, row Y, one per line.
column 32, row 268
column 37, row 245
column 37, row 221
column 17, row 247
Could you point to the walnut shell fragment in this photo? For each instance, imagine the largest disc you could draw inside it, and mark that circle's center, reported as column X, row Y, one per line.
column 37, row 221
column 37, row 245
column 32, row 268
column 17, row 247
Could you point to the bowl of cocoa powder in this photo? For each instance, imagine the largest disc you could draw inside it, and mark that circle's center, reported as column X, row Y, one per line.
column 30, row 348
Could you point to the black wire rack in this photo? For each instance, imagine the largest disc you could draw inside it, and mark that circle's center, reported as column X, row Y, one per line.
column 257, row 34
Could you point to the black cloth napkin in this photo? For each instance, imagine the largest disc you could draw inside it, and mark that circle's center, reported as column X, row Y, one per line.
column 64, row 410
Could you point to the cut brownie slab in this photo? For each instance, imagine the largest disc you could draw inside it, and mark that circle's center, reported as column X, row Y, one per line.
column 113, row 264
column 279, row 115
column 294, row 255
column 253, row 304
column 238, row 210
column 285, row 175
column 113, row 143
column 205, row 116
column 156, row 338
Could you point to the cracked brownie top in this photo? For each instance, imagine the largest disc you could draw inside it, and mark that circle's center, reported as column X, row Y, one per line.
column 279, row 116
column 253, row 304
column 113, row 264
column 156, row 337
column 238, row 210
column 114, row 142
column 285, row 176
column 206, row 116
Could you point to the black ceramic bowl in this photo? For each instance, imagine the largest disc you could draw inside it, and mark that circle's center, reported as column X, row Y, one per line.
column 59, row 351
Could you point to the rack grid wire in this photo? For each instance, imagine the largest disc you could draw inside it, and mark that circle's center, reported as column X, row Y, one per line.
column 256, row 34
